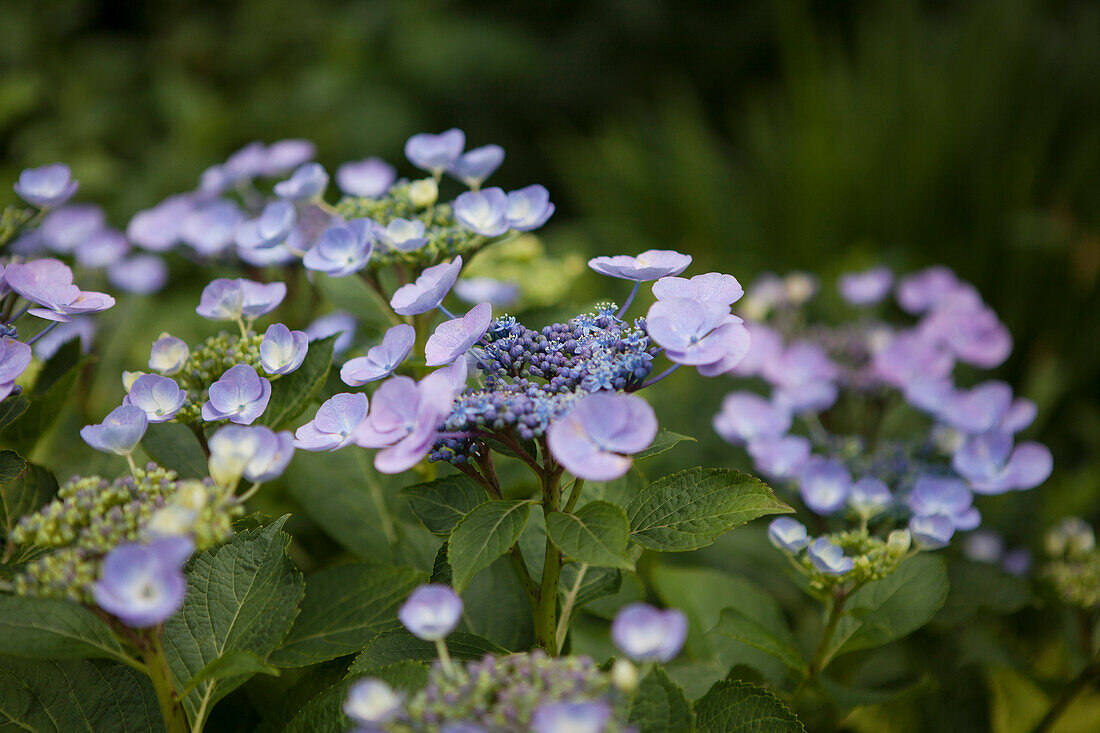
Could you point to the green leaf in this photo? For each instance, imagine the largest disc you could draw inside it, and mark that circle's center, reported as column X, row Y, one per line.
column 231, row 664
column 737, row 625
column 11, row 465
column 595, row 535
column 27, row 494
column 347, row 501
column 62, row 696
column 353, row 295
column 443, row 503
column 886, row 610
column 42, row 628
column 11, row 408
column 691, row 509
column 51, row 391
column 344, row 608
column 660, row 705
column 665, row 441
column 395, row 646
column 703, row 593
column 483, row 535
column 175, row 446
column 496, row 608
column 738, row 707
column 975, row 587
column 241, row 596
column 292, row 393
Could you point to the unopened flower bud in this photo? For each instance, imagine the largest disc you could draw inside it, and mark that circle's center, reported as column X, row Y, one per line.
column 624, row 675
column 128, row 379
column 899, row 541
column 423, row 193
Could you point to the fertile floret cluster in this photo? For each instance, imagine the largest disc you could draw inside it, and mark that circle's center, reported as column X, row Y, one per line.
column 534, row 377
column 91, row 516
column 1074, row 568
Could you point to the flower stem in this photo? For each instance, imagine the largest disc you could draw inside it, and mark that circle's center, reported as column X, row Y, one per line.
column 156, row 664
column 445, row 657
column 660, row 376
column 546, row 611
column 1084, row 679
column 823, row 654
column 629, row 299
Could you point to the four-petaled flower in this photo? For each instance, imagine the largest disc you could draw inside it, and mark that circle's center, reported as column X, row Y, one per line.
column 240, row 395
column 142, row 584
column 594, row 440
column 381, row 360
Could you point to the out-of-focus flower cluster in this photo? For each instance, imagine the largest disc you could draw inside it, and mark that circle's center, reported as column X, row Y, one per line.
column 69, row 537
column 1073, row 568
column 866, row 420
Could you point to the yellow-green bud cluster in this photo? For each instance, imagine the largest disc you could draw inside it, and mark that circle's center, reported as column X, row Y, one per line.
column 91, row 515
column 209, row 361
column 872, row 559
column 446, row 238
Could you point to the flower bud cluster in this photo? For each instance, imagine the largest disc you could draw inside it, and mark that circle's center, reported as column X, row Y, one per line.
column 872, row 558
column 503, row 693
column 92, row 515
column 533, row 377
column 209, row 361
column 1074, row 568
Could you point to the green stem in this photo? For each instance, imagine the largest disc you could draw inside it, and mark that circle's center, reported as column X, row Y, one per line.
column 546, row 624
column 1080, row 683
column 823, row 655
column 574, row 494
column 156, row 665
column 567, row 607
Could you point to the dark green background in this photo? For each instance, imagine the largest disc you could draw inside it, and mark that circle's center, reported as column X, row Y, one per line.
column 757, row 136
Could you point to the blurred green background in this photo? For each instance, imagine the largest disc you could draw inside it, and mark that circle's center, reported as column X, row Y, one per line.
column 757, row 136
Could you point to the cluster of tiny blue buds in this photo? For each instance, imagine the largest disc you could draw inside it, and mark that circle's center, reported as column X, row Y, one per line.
column 533, row 377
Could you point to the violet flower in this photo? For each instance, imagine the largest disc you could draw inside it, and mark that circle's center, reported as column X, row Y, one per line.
column 829, row 558
column 402, row 235
column 119, row 433
column 825, row 485
column 593, row 441
column 168, row 354
column 15, row 357
column 696, row 333
column 227, row 300
column 652, row 264
column 868, row 287
column 335, row 423
column 49, row 283
column 947, row 497
column 711, row 287
column 528, row 208
column 212, row 227
column 46, row 187
column 431, row 612
column 497, row 293
column 337, row 323
column 788, row 534
column 381, row 360
column 240, row 396
column 369, row 178
column 452, row 339
column 159, row 228
column 474, row 166
column 284, row 155
column 589, row 716
column 648, row 634
column 66, row 228
column 307, row 183
column 746, row 417
column 101, row 248
column 142, row 584
column 373, row 703
column 342, row 249
column 270, row 228
column 160, row 397
column 428, row 291
column 780, row 458
column 282, row 351
column 486, row 212
column 141, row 274
column 993, row 465
column 404, row 419
column 435, row 153
column 256, row 452
column 931, row 532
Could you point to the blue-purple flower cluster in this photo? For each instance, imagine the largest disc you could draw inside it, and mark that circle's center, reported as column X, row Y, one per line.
column 801, row 432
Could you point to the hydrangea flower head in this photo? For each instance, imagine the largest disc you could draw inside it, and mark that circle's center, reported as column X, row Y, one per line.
column 573, row 717
column 168, row 354
column 647, row 634
column 342, row 249
column 428, row 291
column 474, row 166
column 788, row 534
column 308, row 182
column 371, row 702
column 452, row 339
column 143, row 584
column 335, row 423
column 595, row 439
column 529, row 208
column 486, row 212
column 282, row 351
column 829, row 558
column 119, row 433
column 711, row 287
column 653, row 264
column 160, row 397
column 431, row 612
column 369, row 178
column 435, row 153
column 381, row 360
column 240, row 395
column 46, row 187
column 224, row 299
column 868, row 287
column 49, row 283
column 272, row 227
